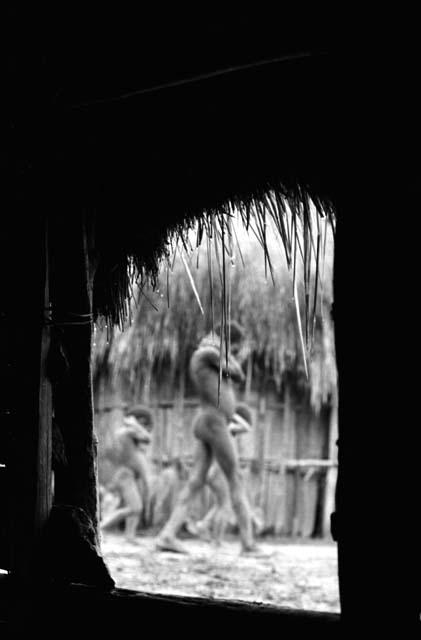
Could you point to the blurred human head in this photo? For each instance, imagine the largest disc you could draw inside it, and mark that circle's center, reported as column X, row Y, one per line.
column 142, row 414
column 236, row 335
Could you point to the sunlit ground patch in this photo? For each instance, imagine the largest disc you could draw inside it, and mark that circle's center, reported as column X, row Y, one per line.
column 302, row 576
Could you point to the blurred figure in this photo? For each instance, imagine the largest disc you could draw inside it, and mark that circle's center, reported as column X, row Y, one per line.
column 130, row 481
column 213, row 438
column 167, row 486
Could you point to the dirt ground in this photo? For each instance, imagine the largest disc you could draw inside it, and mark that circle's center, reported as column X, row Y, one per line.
column 300, row 575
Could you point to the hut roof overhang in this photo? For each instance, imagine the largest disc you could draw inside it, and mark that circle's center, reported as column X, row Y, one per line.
column 146, row 122
column 175, row 112
column 181, row 119
column 193, row 141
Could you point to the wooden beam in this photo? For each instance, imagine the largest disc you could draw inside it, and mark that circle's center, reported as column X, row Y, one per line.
column 119, row 612
column 191, row 403
column 305, row 463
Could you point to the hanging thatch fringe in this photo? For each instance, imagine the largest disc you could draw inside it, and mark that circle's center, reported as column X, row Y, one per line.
column 273, row 203
column 298, row 231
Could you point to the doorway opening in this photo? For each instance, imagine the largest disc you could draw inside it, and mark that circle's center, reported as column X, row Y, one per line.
column 282, row 299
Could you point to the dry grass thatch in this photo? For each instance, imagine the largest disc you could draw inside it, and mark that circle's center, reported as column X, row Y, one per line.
column 269, row 266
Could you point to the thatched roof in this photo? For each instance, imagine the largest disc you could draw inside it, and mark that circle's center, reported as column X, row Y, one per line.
column 213, row 147
column 182, row 119
column 150, row 119
column 254, row 284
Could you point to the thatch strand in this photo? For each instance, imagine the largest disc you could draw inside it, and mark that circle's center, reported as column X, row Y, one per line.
column 191, row 280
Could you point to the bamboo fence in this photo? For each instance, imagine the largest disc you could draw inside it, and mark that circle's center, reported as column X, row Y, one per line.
column 289, row 459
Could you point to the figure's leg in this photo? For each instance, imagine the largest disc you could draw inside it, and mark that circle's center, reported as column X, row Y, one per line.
column 167, row 538
column 219, row 486
column 139, row 464
column 257, row 520
column 133, row 500
column 114, row 518
column 163, row 497
column 132, row 507
column 226, row 456
column 219, row 525
column 204, row 526
column 109, row 502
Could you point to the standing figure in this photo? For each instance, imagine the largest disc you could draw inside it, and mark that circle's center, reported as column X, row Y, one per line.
column 213, row 525
column 130, row 480
column 213, row 438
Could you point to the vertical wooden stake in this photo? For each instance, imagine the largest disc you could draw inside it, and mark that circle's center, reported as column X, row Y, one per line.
column 331, row 473
column 29, row 459
column 72, row 290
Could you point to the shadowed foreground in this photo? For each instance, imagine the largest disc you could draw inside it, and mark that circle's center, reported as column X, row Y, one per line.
column 289, row 575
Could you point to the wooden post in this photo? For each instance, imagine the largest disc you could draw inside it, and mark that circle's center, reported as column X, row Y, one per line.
column 289, row 452
column 260, row 451
column 249, row 375
column 311, row 445
column 27, row 401
column 280, row 477
column 44, row 454
column 72, row 290
column 331, row 472
column 165, row 435
column 180, row 417
column 158, row 437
